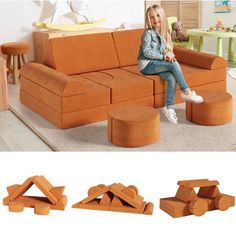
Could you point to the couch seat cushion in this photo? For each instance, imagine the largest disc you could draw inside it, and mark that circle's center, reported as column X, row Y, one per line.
column 194, row 76
column 123, row 85
column 93, row 95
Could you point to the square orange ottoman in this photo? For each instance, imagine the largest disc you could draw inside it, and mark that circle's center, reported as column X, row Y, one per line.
column 133, row 126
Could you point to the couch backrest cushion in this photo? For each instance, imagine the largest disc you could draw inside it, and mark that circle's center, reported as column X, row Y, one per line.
column 127, row 43
column 82, row 53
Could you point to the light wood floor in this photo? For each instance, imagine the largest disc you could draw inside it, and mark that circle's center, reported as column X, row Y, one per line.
column 15, row 136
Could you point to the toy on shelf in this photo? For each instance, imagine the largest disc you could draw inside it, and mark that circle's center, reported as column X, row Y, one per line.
column 188, row 202
column 234, row 28
column 224, row 29
column 124, row 26
column 219, row 24
column 79, row 13
column 211, row 29
column 177, row 34
column 219, row 27
column 115, row 197
column 54, row 198
column 78, row 8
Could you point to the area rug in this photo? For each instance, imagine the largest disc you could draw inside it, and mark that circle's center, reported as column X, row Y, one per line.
column 185, row 136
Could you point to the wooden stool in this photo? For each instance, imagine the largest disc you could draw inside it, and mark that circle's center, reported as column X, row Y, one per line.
column 17, row 50
column 216, row 109
column 133, row 126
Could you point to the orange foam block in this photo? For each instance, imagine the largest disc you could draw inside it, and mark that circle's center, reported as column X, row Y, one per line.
column 54, row 198
column 188, row 202
column 115, row 197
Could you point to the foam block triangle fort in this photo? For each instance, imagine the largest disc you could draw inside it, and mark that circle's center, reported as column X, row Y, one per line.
column 54, row 198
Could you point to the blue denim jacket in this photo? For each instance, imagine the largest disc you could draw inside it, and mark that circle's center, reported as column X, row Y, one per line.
column 152, row 48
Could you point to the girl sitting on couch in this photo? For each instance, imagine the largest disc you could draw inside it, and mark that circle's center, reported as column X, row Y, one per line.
column 156, row 57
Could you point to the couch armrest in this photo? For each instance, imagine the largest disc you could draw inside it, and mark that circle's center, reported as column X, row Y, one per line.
column 52, row 80
column 199, row 59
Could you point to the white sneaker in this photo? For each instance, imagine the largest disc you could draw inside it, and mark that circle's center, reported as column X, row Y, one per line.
column 170, row 115
column 192, row 97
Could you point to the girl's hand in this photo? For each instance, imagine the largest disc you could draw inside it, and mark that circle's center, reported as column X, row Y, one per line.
column 173, row 59
column 169, row 58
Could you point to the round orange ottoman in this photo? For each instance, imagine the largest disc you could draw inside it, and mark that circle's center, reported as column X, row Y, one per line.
column 133, row 126
column 18, row 51
column 216, row 109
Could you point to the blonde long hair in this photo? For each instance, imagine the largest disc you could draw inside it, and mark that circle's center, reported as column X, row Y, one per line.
column 164, row 30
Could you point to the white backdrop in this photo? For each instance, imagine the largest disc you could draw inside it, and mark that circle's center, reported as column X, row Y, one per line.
column 155, row 174
column 17, row 17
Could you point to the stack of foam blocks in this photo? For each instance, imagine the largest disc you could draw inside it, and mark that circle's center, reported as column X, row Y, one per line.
column 115, row 197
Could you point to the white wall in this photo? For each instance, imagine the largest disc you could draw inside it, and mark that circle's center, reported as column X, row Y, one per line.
column 17, row 17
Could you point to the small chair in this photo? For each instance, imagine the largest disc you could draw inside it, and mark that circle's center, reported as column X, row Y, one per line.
column 18, row 51
column 170, row 21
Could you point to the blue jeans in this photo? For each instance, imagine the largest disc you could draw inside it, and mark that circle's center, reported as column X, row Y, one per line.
column 172, row 73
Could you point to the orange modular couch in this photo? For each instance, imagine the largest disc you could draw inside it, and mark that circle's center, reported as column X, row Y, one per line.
column 85, row 76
